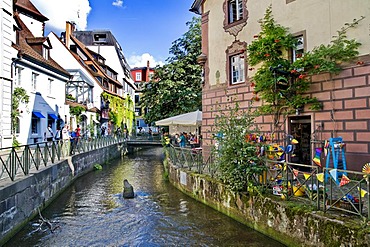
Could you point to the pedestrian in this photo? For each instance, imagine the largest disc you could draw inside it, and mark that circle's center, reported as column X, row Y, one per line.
column 48, row 134
column 150, row 132
column 58, row 134
column 182, row 140
column 66, row 140
column 74, row 140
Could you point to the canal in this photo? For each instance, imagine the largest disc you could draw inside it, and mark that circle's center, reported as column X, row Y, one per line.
column 92, row 212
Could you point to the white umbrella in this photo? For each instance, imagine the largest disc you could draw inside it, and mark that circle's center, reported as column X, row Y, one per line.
column 188, row 119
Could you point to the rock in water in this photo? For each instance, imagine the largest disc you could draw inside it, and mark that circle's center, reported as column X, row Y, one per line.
column 128, row 190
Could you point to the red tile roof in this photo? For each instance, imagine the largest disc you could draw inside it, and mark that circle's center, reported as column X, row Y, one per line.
column 26, row 42
column 28, row 7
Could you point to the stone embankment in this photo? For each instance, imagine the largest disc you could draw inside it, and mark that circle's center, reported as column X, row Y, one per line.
column 289, row 223
column 20, row 200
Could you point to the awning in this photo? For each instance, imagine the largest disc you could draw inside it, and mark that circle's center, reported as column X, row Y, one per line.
column 53, row 116
column 38, row 114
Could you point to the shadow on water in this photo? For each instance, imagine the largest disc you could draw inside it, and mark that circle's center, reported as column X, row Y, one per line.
column 92, row 212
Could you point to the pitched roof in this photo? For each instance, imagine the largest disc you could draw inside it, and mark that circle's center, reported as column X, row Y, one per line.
column 86, row 51
column 25, row 43
column 27, row 7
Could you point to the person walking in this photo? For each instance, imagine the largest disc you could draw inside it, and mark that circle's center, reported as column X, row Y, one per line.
column 182, row 140
column 66, row 140
column 48, row 134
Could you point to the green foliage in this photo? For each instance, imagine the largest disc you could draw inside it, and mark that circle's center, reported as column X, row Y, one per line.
column 76, row 110
column 237, row 158
column 19, row 96
column 98, row 167
column 15, row 143
column 70, row 97
column 120, row 109
column 176, row 87
column 270, row 50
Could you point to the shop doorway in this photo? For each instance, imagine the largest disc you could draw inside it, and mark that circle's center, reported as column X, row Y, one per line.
column 300, row 129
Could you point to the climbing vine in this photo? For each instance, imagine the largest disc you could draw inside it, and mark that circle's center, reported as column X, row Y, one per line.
column 76, row 110
column 19, row 96
column 282, row 83
column 120, row 109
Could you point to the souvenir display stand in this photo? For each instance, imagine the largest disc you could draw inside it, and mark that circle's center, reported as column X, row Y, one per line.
column 336, row 156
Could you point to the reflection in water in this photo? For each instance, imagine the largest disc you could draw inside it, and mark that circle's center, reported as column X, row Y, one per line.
column 92, row 212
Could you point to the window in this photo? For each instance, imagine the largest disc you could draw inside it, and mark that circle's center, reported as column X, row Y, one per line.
column 297, row 53
column 138, row 76
column 235, row 8
column 45, row 52
column 50, row 85
column 18, row 76
column 34, row 81
column 34, row 124
column 100, row 38
column 237, row 68
column 17, row 125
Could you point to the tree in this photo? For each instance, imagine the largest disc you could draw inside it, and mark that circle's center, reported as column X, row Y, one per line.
column 176, row 87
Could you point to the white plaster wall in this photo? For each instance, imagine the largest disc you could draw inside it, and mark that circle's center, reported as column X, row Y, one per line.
column 35, row 26
column 52, row 102
column 7, row 53
column 64, row 58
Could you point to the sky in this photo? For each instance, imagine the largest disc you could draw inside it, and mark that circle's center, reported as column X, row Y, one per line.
column 145, row 29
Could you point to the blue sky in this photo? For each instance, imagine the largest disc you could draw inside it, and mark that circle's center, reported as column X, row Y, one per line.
column 145, row 29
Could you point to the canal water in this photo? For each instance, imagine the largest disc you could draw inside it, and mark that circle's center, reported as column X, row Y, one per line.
column 92, row 212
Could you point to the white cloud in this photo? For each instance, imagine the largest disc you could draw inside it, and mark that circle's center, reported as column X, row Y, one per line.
column 118, row 3
column 141, row 60
column 59, row 12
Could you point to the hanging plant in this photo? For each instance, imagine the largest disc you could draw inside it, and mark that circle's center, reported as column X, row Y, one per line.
column 281, row 83
column 76, row 110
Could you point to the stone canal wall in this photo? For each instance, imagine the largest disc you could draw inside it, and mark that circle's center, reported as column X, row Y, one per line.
column 20, row 200
column 284, row 221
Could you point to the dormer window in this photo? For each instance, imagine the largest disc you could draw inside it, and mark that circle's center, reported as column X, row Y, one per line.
column 100, row 38
column 45, row 52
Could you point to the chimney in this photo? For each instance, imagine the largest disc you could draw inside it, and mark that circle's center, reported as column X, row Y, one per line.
column 147, row 71
column 70, row 27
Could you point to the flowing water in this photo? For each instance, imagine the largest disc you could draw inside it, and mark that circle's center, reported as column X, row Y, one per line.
column 92, row 212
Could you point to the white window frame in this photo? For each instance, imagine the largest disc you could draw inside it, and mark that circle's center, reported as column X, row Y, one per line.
column 45, row 52
column 18, row 76
column 138, row 76
column 34, row 81
column 297, row 53
column 237, row 69
column 235, row 8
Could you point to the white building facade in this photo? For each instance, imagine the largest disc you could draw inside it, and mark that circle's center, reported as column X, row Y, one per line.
column 7, row 54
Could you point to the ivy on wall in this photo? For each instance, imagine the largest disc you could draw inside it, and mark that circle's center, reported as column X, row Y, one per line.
column 120, row 110
column 283, row 84
column 76, row 110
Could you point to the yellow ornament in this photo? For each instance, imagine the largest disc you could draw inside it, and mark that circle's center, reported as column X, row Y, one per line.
column 366, row 168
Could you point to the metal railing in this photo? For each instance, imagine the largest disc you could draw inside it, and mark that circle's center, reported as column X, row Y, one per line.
column 307, row 184
column 20, row 160
column 192, row 159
